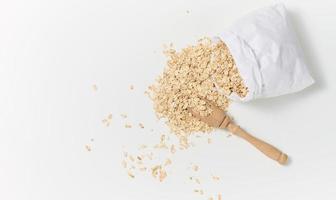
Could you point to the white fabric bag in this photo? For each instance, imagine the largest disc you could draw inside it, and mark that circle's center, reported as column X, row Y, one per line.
column 267, row 54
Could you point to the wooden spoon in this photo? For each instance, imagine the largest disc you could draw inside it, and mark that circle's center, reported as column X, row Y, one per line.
column 219, row 119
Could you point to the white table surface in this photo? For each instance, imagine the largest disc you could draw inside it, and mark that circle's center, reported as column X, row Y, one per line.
column 52, row 52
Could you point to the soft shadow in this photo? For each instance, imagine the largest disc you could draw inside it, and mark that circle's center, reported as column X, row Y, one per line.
column 289, row 162
column 308, row 49
column 280, row 102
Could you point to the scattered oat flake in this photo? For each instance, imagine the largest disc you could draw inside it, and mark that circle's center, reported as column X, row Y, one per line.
column 147, row 94
column 143, row 146
column 163, row 175
column 150, row 156
column 160, row 146
column 139, row 158
column 201, row 192
column 195, row 168
column 143, row 168
column 216, row 178
column 159, row 172
column 197, row 181
column 88, row 148
column 131, row 158
column 209, row 140
column 162, row 138
column 139, row 162
column 128, row 126
column 168, row 162
column 108, row 120
column 94, row 87
column 130, row 174
column 105, row 122
column 172, row 149
column 155, row 170
column 124, row 164
column 141, row 125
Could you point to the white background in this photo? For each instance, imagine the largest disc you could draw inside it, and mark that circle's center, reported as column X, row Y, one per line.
column 52, row 52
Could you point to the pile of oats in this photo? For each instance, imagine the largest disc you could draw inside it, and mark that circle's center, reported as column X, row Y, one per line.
column 190, row 75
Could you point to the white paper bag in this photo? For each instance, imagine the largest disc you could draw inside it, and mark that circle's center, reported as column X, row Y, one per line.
column 267, row 54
